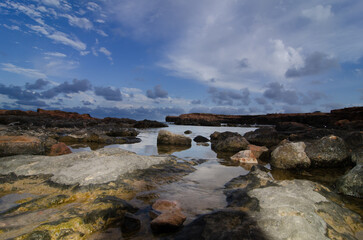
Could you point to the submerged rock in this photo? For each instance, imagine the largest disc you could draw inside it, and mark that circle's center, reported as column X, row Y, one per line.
column 170, row 219
column 168, row 138
column 328, row 151
column 228, row 142
column 290, row 155
column 17, row 145
column 222, row 225
column 352, row 183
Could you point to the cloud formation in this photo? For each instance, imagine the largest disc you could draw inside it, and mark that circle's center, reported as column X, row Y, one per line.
column 28, row 72
column 229, row 97
column 315, row 63
column 38, row 85
column 109, row 93
column 76, row 86
column 158, row 92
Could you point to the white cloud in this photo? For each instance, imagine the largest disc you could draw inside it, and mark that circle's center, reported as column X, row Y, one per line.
column 78, row 22
column 12, row 27
column 206, row 40
column 84, row 53
column 54, row 3
column 106, row 52
column 28, row 72
column 91, row 6
column 59, row 37
column 55, row 54
column 100, row 21
column 102, row 33
column 318, row 13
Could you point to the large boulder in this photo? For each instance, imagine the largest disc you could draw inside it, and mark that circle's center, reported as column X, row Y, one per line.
column 228, row 142
column 352, row 183
column 264, row 136
column 328, row 151
column 82, row 168
column 290, row 155
column 357, row 156
column 168, row 138
column 17, row 145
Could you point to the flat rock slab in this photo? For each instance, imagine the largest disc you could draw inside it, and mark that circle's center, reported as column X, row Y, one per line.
column 83, row 168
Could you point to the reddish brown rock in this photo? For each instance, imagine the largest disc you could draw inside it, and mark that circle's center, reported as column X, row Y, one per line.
column 59, row 149
column 258, row 151
column 16, row 145
column 245, row 156
column 170, row 219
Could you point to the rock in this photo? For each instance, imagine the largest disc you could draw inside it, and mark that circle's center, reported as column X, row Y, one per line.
column 245, row 156
column 259, row 152
column 149, row 124
column 328, row 151
column 204, row 144
column 39, row 235
column 290, row 155
column 162, row 205
column 123, row 132
column 59, row 149
column 291, row 126
column 170, row 219
column 354, row 140
column 297, row 210
column 357, row 156
column 222, row 225
column 352, row 183
column 264, row 136
column 83, row 168
column 228, row 142
column 200, row 139
column 168, row 138
column 17, row 145
column 130, row 224
column 188, row 132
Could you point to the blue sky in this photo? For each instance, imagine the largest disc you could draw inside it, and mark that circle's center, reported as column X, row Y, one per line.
column 148, row 59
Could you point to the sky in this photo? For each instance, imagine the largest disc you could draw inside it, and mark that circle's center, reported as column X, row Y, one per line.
column 145, row 59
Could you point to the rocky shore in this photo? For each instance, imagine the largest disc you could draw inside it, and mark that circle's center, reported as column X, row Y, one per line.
column 347, row 118
column 28, row 132
column 304, row 180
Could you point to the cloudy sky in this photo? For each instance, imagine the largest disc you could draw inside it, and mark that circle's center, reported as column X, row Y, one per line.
column 148, row 59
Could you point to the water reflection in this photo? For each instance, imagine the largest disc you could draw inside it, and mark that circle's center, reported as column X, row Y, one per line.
column 168, row 149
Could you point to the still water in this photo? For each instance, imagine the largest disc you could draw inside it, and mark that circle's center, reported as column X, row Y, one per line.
column 201, row 191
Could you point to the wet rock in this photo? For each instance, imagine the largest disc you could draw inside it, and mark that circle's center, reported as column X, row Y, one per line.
column 168, row 138
column 357, row 156
column 83, row 168
column 59, row 149
column 204, row 144
column 120, row 203
column 123, row 132
column 200, row 139
column 328, row 151
column 149, row 124
column 170, row 219
column 291, row 127
column 39, row 235
column 188, row 132
column 264, row 136
column 352, row 183
column 260, row 152
column 222, row 225
column 245, row 156
column 297, row 210
column 130, row 224
column 354, row 140
column 228, row 142
column 17, row 145
column 290, row 155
